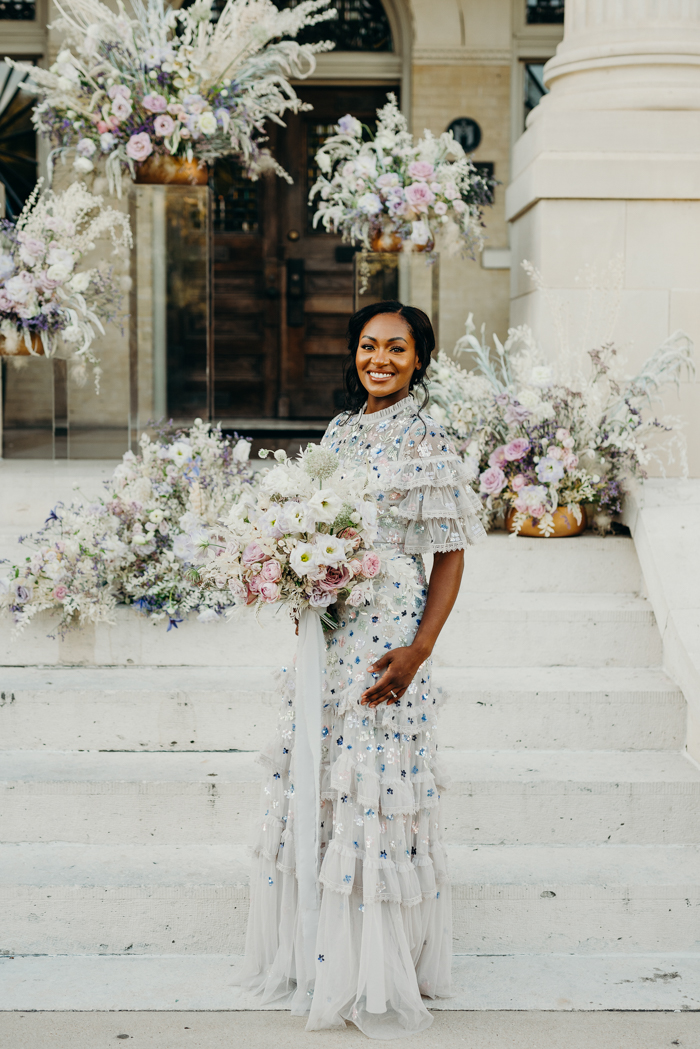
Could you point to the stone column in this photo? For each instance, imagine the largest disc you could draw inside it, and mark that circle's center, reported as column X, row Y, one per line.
column 609, row 167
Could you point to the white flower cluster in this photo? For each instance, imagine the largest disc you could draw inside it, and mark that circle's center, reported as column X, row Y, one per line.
column 389, row 184
column 139, row 545
column 169, row 80
column 46, row 292
column 304, row 539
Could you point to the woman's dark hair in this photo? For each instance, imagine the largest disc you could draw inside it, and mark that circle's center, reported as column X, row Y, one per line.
column 423, row 335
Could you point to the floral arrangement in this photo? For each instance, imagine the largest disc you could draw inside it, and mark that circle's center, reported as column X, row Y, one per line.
column 535, row 440
column 172, row 82
column 50, row 301
column 387, row 184
column 140, row 543
column 300, row 539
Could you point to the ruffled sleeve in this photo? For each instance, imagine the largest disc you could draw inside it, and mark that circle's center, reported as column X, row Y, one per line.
column 440, row 507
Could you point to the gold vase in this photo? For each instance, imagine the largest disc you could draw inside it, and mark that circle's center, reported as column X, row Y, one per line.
column 386, row 241
column 21, row 349
column 565, row 524
column 163, row 170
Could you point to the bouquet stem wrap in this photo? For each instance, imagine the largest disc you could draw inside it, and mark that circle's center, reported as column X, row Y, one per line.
column 311, row 661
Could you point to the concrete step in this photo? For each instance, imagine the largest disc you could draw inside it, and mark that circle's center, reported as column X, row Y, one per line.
column 513, row 797
column 514, row 629
column 76, row 899
column 176, row 983
column 211, row 708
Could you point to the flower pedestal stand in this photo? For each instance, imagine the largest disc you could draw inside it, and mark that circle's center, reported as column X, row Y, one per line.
column 409, row 276
column 34, row 413
column 171, row 362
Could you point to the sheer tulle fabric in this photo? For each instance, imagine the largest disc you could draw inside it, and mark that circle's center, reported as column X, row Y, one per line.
column 384, row 936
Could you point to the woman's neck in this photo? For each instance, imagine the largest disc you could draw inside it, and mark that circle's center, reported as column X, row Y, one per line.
column 378, row 404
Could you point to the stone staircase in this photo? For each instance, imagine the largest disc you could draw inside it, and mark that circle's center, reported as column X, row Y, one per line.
column 128, row 780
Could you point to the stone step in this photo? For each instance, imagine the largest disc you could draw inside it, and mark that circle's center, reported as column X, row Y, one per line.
column 513, row 797
column 76, row 899
column 516, row 982
column 211, row 708
column 519, row 629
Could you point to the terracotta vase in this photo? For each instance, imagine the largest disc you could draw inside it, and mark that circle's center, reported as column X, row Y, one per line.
column 21, row 349
column 565, row 525
column 162, row 170
column 387, row 241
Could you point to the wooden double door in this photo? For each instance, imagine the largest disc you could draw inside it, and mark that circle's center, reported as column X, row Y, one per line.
column 282, row 291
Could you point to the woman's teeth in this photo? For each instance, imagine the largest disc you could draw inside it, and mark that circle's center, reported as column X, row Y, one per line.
column 381, row 375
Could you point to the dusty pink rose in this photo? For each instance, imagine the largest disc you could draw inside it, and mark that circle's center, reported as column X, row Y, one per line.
column 498, row 456
column 518, row 482
column 571, row 462
column 561, row 434
column 119, row 91
column 321, row 598
column 269, row 592
column 555, row 453
column 355, row 566
column 121, row 108
column 60, row 592
column 335, row 579
column 420, row 169
column 516, row 449
column 164, row 125
column 419, row 196
column 493, row 481
column 139, row 146
column 371, row 565
column 254, row 584
column 271, row 571
column 155, row 103
column 441, row 208
column 253, row 553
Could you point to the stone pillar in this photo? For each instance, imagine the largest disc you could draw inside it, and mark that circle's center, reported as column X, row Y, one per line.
column 609, row 167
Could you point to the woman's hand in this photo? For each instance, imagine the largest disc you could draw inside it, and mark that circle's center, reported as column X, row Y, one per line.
column 398, row 669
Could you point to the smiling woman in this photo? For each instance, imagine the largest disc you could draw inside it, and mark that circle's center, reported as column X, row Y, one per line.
column 382, row 939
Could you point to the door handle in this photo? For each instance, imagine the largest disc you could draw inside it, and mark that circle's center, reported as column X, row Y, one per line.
column 295, row 293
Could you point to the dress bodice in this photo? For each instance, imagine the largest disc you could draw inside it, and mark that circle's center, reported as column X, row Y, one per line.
column 424, row 501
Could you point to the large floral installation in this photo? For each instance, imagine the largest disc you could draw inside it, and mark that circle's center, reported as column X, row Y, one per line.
column 52, row 302
column 387, row 184
column 140, row 544
column 536, row 437
column 162, row 81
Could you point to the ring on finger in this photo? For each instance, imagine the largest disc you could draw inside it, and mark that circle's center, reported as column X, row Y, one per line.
column 393, row 693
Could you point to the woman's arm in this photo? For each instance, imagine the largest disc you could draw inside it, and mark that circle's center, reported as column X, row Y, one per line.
column 399, row 666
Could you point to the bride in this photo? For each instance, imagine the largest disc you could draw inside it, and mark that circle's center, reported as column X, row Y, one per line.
column 383, row 938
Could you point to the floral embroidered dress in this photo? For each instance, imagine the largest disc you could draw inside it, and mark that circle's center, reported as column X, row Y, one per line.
column 384, row 936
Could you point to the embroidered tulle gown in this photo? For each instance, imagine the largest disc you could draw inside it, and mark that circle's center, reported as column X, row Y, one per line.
column 384, row 937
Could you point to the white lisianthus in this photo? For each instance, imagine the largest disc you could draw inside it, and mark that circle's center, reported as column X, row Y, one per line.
column 86, row 147
column 325, row 506
column 241, row 451
column 529, row 399
column 297, row 517
column 420, row 232
column 542, row 375
column 329, row 550
column 72, row 333
column 83, row 165
column 80, row 282
column 303, row 559
column 180, row 452
column 183, row 547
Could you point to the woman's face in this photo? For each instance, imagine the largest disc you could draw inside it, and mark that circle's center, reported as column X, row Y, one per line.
column 386, row 358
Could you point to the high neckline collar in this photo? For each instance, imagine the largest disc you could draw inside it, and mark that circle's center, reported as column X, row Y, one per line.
column 386, row 413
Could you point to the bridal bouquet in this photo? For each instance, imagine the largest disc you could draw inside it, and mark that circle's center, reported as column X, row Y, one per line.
column 304, row 539
column 139, row 545
column 51, row 302
column 170, row 81
column 388, row 185
column 536, row 439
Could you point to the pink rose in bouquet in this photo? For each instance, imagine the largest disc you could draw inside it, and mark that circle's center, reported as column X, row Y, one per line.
column 254, row 584
column 493, row 480
column 252, row 554
column 271, row 571
column 335, row 579
column 269, row 592
column 139, row 146
column 420, row 169
column 121, row 109
column 155, row 103
column 371, row 564
column 164, row 125
column 516, row 449
column 352, row 536
column 498, row 456
column 321, row 598
column 518, row 482
column 419, row 196
column 60, row 593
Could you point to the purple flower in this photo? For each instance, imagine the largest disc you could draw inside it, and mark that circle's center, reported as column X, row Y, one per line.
column 549, row 471
column 493, row 481
column 516, row 413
